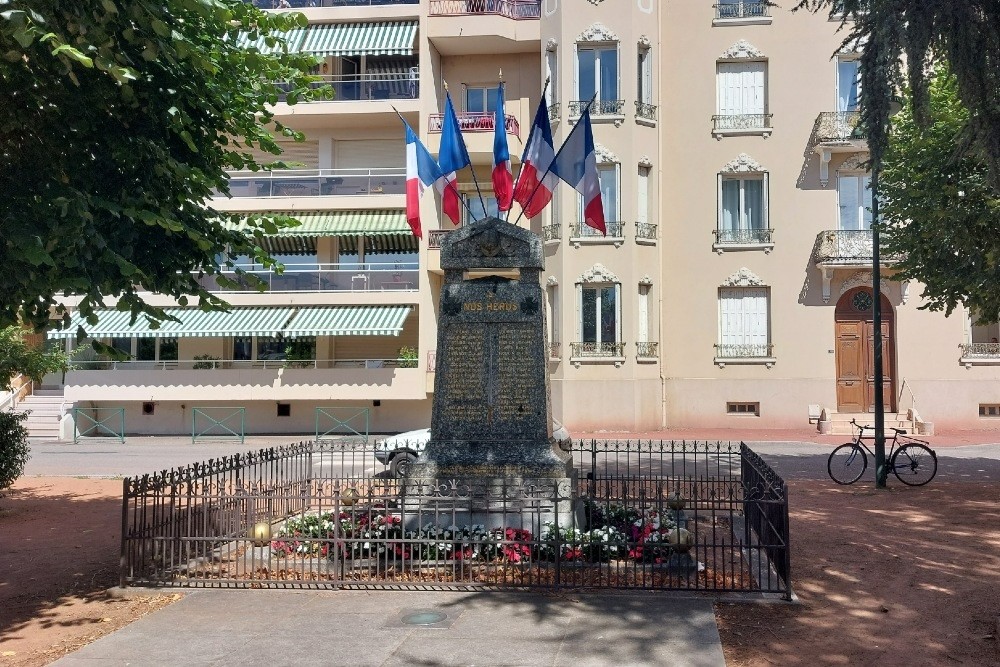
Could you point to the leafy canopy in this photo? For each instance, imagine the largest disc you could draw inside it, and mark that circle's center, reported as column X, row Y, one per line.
column 119, row 120
column 939, row 210
column 898, row 35
column 18, row 357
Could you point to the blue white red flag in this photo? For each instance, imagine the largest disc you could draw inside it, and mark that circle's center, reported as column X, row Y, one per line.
column 576, row 163
column 421, row 171
column 503, row 180
column 452, row 157
column 535, row 182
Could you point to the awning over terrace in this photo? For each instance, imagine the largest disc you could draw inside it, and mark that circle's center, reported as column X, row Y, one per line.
column 308, row 321
column 386, row 231
column 293, row 38
column 381, row 38
column 348, row 321
column 191, row 322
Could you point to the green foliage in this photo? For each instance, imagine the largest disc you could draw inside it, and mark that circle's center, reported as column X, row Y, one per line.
column 119, row 122
column 13, row 447
column 205, row 362
column 407, row 357
column 17, row 357
column 907, row 35
column 939, row 210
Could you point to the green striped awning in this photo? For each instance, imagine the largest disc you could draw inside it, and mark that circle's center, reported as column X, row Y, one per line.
column 193, row 322
column 382, row 38
column 392, row 244
column 348, row 321
column 293, row 38
column 289, row 245
column 356, row 222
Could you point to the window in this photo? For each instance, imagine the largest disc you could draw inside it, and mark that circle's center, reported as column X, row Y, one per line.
column 848, row 84
column 643, row 336
column 147, row 348
column 855, row 200
column 644, row 71
column 553, row 320
column 552, row 72
column 742, row 408
column 597, row 73
column 599, row 314
column 481, row 208
column 243, row 348
column 743, row 209
column 741, row 88
column 989, row 410
column 480, row 99
column 642, row 209
column 609, row 199
column 743, row 323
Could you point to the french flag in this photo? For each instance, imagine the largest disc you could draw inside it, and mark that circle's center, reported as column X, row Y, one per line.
column 421, row 172
column 452, row 156
column 503, row 180
column 576, row 163
column 536, row 181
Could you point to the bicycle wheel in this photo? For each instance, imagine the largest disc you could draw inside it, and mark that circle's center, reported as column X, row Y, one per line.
column 847, row 463
column 914, row 464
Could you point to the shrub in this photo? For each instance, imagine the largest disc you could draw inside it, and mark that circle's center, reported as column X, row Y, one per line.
column 13, row 447
column 203, row 361
column 407, row 357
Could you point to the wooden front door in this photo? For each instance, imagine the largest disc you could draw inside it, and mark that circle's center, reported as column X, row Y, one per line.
column 855, row 353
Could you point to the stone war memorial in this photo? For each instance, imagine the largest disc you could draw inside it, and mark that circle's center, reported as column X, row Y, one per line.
column 491, row 427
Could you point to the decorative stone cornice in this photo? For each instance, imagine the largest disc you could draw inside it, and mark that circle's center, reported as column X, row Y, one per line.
column 598, row 273
column 598, row 32
column 742, row 163
column 595, row 2
column 863, row 279
column 646, row 280
column 604, row 154
column 741, row 50
column 644, row 161
column 644, row 42
column 551, row 281
column 551, row 44
column 743, row 278
column 855, row 162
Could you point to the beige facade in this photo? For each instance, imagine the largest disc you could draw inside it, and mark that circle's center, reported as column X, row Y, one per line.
column 734, row 193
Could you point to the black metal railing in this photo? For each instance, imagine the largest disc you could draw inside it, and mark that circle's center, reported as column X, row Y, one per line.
column 744, row 236
column 598, row 108
column 436, row 236
column 551, row 232
column 647, row 350
column 332, row 514
column 646, row 230
column 647, row 111
column 363, row 87
column 594, row 349
column 742, row 122
column 742, row 9
column 615, row 230
column 744, row 351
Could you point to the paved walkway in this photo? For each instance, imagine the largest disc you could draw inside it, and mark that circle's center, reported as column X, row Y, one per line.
column 361, row 628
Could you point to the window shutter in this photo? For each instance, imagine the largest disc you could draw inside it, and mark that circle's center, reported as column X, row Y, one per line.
column 728, row 89
column 370, row 154
column 643, row 313
column 847, row 191
column 756, row 312
column 754, row 92
column 642, row 212
column 306, row 152
column 728, row 316
column 865, row 214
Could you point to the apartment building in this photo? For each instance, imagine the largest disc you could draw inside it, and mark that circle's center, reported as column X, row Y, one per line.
column 733, row 287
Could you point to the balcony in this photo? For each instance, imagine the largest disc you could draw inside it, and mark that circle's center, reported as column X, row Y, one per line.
column 552, row 233
column 613, row 110
column 746, row 123
column 554, row 112
column 845, row 249
column 435, row 237
column 593, row 352
column 744, row 353
column 474, row 122
column 980, row 354
column 317, row 183
column 581, row 233
column 401, row 277
column 368, row 86
column 647, row 351
column 646, row 233
column 555, row 351
column 645, row 113
column 743, row 239
column 483, row 27
column 742, row 12
column 307, row 4
column 511, row 9
column 837, row 132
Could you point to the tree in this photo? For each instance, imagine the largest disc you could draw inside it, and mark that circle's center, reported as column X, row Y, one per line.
column 939, row 211
column 911, row 34
column 119, row 121
column 18, row 357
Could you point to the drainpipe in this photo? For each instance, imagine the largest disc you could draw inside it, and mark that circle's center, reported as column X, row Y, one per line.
column 659, row 214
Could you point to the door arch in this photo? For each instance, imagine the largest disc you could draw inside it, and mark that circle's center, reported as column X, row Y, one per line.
column 855, row 344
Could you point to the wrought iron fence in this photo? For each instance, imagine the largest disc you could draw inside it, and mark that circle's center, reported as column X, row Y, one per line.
column 647, row 111
column 436, row 236
column 741, row 9
column 744, row 351
column 615, row 230
column 554, row 111
column 647, row 350
column 743, row 236
column 848, row 246
column 555, row 350
column 512, row 9
column 469, row 121
column 839, row 126
column 552, row 232
column 981, row 350
column 743, row 121
column 593, row 349
column 646, row 230
column 598, row 108
column 635, row 514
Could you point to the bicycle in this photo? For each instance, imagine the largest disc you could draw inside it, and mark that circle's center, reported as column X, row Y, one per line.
column 913, row 461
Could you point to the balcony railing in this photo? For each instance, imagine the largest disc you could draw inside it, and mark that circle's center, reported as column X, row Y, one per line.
column 436, row 236
column 647, row 350
column 744, row 236
column 474, row 122
column 839, row 126
column 432, row 359
column 744, row 351
column 368, row 86
column 223, row 364
column 512, row 9
column 555, row 350
column 554, row 111
column 552, row 232
column 301, row 4
column 980, row 350
column 647, row 111
column 598, row 349
column 615, row 230
column 743, row 122
column 646, row 231
column 847, row 246
column 362, row 278
column 742, row 9
column 598, row 108
column 317, row 182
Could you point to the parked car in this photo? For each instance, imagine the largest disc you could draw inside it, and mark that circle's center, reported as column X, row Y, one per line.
column 399, row 451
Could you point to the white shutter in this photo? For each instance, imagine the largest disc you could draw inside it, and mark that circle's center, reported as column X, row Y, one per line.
column 304, row 152
column 727, row 80
column 370, row 154
column 756, row 313
column 847, row 191
column 643, row 313
column 865, row 183
column 645, row 77
column 642, row 212
column 753, row 81
column 729, row 304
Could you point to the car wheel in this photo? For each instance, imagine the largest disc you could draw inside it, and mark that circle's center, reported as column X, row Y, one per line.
column 400, row 464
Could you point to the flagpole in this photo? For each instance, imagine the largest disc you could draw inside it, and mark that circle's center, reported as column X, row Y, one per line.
column 556, row 158
column 451, row 184
column 527, row 143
